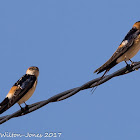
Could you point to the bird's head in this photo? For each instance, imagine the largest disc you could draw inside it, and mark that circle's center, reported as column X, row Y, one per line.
column 33, row 71
column 137, row 25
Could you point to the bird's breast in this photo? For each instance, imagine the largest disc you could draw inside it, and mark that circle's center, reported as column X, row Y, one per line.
column 131, row 52
column 28, row 94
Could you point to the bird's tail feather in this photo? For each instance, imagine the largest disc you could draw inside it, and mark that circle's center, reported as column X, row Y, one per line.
column 106, row 66
column 4, row 105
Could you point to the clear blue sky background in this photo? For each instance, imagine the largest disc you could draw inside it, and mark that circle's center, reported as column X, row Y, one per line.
column 68, row 40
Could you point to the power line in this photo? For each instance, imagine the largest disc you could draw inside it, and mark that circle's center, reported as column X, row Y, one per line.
column 66, row 94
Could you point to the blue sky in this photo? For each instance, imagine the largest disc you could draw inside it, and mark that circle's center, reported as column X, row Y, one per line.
column 68, row 40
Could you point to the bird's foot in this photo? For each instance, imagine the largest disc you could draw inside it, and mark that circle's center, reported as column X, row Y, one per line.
column 22, row 109
column 128, row 66
column 26, row 107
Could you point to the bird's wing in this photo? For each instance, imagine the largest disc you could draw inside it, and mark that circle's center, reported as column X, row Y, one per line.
column 19, row 89
column 124, row 46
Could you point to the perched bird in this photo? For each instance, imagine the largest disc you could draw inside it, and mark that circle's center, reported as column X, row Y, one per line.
column 22, row 90
column 126, row 50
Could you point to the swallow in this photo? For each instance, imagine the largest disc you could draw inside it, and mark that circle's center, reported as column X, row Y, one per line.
column 128, row 48
column 22, row 90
